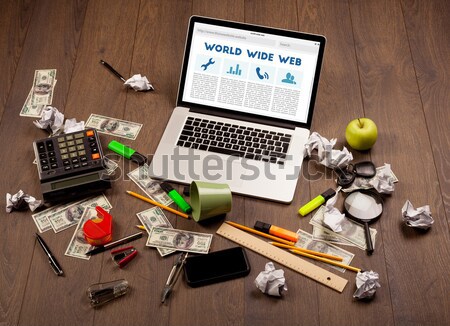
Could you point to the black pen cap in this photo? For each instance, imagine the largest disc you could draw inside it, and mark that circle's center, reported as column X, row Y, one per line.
column 166, row 187
column 263, row 227
column 328, row 194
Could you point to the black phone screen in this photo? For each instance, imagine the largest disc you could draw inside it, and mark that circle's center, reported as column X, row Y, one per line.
column 216, row 267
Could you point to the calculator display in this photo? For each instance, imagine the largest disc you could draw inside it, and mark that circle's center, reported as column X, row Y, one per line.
column 74, row 181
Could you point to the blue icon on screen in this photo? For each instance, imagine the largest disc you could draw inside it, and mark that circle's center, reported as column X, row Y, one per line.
column 289, row 79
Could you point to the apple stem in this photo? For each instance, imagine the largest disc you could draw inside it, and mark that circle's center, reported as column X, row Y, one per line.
column 360, row 123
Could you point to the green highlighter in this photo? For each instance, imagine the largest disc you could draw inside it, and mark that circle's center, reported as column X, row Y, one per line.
column 176, row 197
column 127, row 152
column 316, row 202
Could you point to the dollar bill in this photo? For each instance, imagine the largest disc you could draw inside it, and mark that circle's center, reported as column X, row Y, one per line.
column 351, row 231
column 78, row 246
column 364, row 183
column 320, row 233
column 306, row 241
column 70, row 216
column 151, row 187
column 43, row 86
column 113, row 126
column 180, row 240
column 41, row 218
column 155, row 217
column 29, row 110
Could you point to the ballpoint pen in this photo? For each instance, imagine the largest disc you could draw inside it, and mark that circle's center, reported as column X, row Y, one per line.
column 113, row 70
column 173, row 276
column 113, row 244
column 51, row 259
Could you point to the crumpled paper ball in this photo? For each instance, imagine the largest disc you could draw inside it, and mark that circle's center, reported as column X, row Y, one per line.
column 21, row 201
column 366, row 285
column 417, row 218
column 271, row 281
column 51, row 120
column 139, row 83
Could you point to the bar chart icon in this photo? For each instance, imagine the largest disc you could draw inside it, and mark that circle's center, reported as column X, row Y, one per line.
column 236, row 70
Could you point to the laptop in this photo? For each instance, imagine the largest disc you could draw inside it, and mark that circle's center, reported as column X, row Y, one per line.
column 244, row 108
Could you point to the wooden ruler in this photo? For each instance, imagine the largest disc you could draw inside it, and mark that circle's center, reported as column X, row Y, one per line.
column 282, row 257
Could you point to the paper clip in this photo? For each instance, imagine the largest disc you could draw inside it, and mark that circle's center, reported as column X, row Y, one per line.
column 123, row 256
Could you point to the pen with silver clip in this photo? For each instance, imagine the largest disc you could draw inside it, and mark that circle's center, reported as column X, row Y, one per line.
column 173, row 276
column 51, row 259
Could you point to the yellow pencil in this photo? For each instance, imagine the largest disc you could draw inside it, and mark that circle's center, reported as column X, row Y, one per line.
column 312, row 252
column 325, row 260
column 148, row 200
column 141, row 227
column 245, row 228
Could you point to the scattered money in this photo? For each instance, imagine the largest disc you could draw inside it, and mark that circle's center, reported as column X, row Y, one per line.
column 320, row 233
column 41, row 218
column 364, row 183
column 306, row 241
column 151, row 187
column 29, row 110
column 155, row 217
column 180, row 240
column 112, row 126
column 43, row 85
column 70, row 216
column 78, row 246
column 351, row 231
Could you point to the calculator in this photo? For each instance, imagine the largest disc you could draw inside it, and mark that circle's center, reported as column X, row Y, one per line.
column 71, row 166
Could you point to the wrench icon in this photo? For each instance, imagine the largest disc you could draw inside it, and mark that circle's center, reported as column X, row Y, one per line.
column 210, row 62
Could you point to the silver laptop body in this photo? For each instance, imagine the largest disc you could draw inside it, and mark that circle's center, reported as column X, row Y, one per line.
column 244, row 108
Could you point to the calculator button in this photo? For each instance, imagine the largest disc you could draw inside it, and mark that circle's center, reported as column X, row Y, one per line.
column 80, row 147
column 95, row 156
column 67, row 168
column 76, row 166
column 51, row 154
column 70, row 143
column 82, row 153
column 61, row 139
column 40, row 147
column 73, row 154
column 90, row 133
column 84, row 164
column 54, row 165
column 94, row 150
column 91, row 139
column 49, row 144
column 64, row 156
column 62, row 145
column 66, row 162
column 45, row 167
column 83, row 158
column 93, row 144
column 70, row 137
column 72, row 149
column 44, row 162
column 79, row 141
column 53, row 160
column 79, row 135
column 75, row 160
column 42, row 155
column 63, row 150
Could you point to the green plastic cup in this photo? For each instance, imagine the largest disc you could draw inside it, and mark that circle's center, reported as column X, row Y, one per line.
column 209, row 200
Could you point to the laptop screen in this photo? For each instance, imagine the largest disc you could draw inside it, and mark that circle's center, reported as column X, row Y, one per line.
column 251, row 70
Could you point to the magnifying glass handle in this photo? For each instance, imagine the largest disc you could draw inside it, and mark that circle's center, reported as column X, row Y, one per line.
column 368, row 239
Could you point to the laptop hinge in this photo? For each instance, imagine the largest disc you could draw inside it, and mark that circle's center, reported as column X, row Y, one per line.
column 243, row 117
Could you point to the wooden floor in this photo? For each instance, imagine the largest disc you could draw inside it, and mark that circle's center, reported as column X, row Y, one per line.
column 385, row 59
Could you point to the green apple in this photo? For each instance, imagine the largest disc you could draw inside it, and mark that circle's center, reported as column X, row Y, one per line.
column 361, row 134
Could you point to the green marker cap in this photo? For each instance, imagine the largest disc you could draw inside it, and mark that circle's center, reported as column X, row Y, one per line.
column 121, row 149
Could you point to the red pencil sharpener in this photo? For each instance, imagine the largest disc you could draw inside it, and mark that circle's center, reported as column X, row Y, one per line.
column 98, row 231
column 123, row 256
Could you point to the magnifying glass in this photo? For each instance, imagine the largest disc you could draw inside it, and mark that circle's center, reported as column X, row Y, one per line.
column 365, row 207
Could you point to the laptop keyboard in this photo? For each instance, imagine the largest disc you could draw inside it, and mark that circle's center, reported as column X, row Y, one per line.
column 231, row 139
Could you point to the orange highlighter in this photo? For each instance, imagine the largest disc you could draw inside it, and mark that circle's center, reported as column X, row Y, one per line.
column 276, row 231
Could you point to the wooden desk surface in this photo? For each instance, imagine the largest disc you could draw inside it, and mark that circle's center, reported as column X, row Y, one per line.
column 387, row 60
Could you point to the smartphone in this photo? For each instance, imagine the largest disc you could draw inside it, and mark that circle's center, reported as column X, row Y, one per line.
column 216, row 267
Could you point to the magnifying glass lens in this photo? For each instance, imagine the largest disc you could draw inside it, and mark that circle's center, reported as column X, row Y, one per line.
column 363, row 206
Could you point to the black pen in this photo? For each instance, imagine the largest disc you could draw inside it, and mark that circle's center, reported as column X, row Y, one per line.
column 51, row 259
column 112, row 70
column 113, row 244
